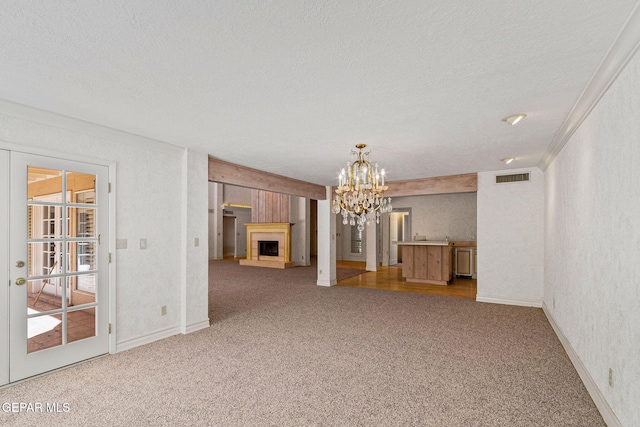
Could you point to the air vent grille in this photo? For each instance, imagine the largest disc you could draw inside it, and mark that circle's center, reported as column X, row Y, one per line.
column 516, row 177
column 227, row 212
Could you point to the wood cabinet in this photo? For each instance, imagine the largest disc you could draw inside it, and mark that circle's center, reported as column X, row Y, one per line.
column 427, row 262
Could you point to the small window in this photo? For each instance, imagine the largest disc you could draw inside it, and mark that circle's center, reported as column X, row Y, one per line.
column 356, row 240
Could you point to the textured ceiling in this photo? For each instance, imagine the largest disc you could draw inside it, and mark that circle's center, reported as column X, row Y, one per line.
column 290, row 87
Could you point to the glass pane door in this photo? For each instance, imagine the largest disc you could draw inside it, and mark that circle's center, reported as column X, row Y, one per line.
column 61, row 253
column 57, row 219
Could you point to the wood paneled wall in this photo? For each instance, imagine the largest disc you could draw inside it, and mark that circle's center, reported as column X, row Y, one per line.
column 267, row 206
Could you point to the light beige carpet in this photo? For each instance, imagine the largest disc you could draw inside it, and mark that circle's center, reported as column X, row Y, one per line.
column 285, row 352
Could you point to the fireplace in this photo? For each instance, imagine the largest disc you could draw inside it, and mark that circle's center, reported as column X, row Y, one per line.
column 268, row 248
column 269, row 245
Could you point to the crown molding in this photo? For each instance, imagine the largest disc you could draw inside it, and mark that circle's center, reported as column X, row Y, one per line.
column 37, row 115
column 621, row 51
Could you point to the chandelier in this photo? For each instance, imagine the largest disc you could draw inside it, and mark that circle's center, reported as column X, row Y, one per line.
column 360, row 193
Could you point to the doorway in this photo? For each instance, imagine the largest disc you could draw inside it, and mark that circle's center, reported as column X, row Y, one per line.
column 234, row 232
column 399, row 230
column 228, row 236
column 57, row 247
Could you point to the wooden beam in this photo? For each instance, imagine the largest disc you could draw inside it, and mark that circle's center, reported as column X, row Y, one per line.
column 467, row 183
column 233, row 174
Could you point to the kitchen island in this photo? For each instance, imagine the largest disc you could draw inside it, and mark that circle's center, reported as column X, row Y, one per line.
column 427, row 261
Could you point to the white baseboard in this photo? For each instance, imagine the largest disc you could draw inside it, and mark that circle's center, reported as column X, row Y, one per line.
column 147, row 339
column 601, row 403
column 524, row 303
column 197, row 326
column 327, row 283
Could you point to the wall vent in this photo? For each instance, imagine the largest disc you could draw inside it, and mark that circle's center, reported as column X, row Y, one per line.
column 227, row 212
column 516, row 177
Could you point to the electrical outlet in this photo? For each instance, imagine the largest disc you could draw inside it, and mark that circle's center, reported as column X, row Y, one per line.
column 554, row 302
column 610, row 377
column 196, row 241
column 143, row 243
column 163, row 310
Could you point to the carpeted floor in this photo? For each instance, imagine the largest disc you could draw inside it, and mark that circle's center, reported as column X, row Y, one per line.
column 282, row 351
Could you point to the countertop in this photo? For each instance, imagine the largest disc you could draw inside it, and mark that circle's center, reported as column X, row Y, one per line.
column 422, row 243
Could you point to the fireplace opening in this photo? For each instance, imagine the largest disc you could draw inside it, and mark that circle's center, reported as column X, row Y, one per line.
column 268, row 247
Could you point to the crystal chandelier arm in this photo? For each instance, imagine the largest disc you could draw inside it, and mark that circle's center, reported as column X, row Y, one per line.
column 360, row 193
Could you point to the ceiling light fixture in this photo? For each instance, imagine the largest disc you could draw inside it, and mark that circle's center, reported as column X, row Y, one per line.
column 360, row 192
column 508, row 160
column 514, row 118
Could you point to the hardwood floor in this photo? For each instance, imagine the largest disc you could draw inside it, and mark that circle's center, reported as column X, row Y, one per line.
column 390, row 279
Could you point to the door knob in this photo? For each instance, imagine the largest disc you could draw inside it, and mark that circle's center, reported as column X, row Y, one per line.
column 21, row 281
column 20, row 264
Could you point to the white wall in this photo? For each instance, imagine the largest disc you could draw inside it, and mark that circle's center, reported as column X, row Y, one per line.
column 510, row 239
column 149, row 193
column 195, row 271
column 215, row 220
column 237, row 195
column 441, row 215
column 326, row 242
column 592, row 244
column 243, row 216
column 300, row 211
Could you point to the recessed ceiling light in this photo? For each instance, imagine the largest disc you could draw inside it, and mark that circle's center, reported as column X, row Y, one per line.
column 508, row 160
column 514, row 118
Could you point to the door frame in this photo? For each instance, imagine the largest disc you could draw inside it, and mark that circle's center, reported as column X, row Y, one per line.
column 4, row 267
column 243, row 216
column 4, row 227
column 229, row 227
column 406, row 231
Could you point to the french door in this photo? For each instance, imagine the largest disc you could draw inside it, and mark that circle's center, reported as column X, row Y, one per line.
column 58, row 263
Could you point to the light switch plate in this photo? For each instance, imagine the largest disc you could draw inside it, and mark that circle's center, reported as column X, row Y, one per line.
column 143, row 243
